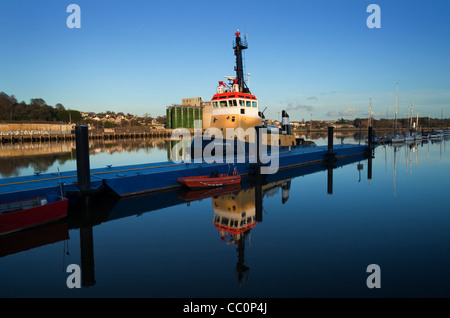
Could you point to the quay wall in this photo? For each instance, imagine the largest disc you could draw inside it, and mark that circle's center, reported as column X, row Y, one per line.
column 24, row 132
column 33, row 128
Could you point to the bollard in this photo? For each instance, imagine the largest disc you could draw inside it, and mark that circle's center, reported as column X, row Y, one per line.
column 83, row 168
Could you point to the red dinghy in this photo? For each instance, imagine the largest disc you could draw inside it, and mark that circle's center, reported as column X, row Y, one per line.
column 207, row 181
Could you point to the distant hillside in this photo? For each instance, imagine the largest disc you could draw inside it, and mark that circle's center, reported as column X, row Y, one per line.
column 36, row 110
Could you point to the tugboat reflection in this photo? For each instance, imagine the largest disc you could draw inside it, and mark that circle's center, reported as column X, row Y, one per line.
column 236, row 213
column 234, row 217
column 238, row 209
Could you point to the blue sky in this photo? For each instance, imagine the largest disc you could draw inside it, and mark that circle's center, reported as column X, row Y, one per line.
column 312, row 58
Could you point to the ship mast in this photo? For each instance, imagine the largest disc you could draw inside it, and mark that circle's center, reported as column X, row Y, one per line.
column 238, row 46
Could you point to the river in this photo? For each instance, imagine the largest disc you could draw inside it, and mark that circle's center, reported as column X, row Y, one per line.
column 314, row 233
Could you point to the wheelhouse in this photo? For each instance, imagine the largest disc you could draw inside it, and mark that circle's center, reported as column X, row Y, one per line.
column 241, row 100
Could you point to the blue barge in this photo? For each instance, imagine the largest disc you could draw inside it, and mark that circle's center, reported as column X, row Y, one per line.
column 137, row 179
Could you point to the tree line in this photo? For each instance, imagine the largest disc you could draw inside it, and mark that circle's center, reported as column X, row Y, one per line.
column 36, row 110
column 403, row 123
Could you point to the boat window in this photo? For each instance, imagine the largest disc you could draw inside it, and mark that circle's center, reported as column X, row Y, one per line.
column 234, row 102
column 233, row 118
column 242, row 110
column 225, row 221
column 215, row 104
column 248, row 103
column 223, row 103
column 241, row 103
column 254, row 104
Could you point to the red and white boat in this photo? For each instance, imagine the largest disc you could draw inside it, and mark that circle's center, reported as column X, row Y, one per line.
column 19, row 215
column 207, row 181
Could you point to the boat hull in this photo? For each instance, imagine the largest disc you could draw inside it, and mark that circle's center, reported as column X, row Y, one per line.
column 23, row 219
column 208, row 182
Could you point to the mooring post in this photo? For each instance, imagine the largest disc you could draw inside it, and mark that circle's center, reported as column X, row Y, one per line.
column 87, row 256
column 258, row 132
column 369, row 167
column 258, row 201
column 82, row 147
column 330, row 155
column 330, row 139
column 331, row 159
column 330, row 180
column 370, row 137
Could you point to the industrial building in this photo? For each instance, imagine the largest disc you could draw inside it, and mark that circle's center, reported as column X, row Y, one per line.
column 184, row 115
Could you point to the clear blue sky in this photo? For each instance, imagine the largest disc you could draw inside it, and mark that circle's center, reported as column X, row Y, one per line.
column 314, row 58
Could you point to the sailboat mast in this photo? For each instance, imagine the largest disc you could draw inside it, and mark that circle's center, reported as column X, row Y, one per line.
column 417, row 122
column 396, row 110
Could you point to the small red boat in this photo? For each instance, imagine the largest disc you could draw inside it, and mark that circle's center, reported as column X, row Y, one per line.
column 20, row 215
column 213, row 180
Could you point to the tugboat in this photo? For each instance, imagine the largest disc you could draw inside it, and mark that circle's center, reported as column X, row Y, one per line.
column 235, row 116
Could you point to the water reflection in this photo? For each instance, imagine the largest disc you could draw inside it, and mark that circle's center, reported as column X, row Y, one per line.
column 17, row 157
column 235, row 212
column 34, row 238
column 412, row 153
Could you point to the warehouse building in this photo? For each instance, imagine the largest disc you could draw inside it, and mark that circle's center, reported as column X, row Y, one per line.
column 184, row 115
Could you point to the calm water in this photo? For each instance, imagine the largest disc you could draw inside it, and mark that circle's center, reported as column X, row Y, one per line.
column 314, row 236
